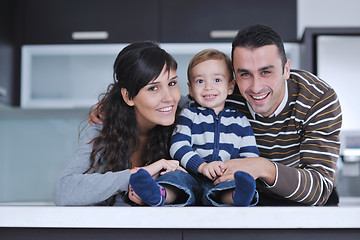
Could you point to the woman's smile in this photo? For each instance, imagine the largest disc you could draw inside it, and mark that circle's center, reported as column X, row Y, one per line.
column 165, row 109
column 156, row 103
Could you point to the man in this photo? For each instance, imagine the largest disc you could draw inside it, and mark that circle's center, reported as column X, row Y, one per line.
column 296, row 118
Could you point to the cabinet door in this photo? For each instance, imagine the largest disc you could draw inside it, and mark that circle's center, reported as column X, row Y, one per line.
column 213, row 20
column 83, row 21
column 9, row 92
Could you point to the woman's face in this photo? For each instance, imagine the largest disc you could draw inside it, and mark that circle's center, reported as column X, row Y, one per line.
column 156, row 103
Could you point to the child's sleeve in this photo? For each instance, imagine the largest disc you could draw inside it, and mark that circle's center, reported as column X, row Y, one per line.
column 181, row 145
column 248, row 147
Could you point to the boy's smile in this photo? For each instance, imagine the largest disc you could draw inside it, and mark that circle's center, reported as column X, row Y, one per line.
column 211, row 83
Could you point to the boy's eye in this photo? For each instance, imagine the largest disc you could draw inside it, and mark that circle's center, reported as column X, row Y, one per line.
column 199, row 81
column 217, row 80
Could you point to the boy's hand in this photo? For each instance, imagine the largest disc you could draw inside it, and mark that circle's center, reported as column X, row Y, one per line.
column 212, row 170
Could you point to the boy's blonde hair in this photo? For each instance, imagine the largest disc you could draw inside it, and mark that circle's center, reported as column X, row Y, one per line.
column 209, row 54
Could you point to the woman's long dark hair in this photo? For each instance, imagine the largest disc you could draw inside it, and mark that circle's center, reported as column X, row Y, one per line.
column 135, row 66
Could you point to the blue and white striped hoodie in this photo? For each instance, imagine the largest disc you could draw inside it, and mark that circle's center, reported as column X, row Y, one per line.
column 202, row 136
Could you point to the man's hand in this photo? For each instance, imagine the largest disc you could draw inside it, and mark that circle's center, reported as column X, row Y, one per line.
column 212, row 170
column 257, row 167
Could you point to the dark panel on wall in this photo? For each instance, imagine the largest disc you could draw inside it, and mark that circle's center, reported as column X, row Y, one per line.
column 177, row 234
column 272, row 234
column 89, row 234
column 194, row 21
column 48, row 22
column 9, row 50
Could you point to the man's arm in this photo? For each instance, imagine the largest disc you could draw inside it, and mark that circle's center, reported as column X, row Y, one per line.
column 312, row 180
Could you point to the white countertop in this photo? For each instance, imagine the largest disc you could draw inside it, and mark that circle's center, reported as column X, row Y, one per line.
column 180, row 217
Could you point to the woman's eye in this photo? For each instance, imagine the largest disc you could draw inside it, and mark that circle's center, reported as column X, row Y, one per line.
column 173, row 83
column 153, row 88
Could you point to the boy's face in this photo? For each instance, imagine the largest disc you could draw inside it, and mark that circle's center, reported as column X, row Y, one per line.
column 211, row 83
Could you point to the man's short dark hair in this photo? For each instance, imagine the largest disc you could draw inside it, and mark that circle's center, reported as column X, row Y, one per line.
column 256, row 36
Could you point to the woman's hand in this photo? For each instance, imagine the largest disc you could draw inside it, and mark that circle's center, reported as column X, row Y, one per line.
column 163, row 166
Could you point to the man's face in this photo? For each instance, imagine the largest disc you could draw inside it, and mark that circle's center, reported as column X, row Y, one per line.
column 261, row 77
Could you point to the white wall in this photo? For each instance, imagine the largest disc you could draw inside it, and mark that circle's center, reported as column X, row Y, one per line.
column 338, row 62
column 327, row 13
column 35, row 146
column 337, row 57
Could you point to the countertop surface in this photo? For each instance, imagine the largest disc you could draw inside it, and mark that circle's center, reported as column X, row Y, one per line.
column 181, row 217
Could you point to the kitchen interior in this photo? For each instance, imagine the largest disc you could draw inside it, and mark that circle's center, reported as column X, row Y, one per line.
column 56, row 60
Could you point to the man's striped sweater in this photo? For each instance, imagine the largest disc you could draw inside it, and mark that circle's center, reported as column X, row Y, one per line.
column 302, row 141
column 202, row 136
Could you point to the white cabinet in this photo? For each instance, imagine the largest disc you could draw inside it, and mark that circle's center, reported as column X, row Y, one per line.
column 65, row 76
column 73, row 76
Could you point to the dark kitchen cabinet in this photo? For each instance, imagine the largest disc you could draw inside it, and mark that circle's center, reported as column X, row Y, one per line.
column 9, row 53
column 89, row 21
column 26, row 23
column 218, row 21
column 114, row 21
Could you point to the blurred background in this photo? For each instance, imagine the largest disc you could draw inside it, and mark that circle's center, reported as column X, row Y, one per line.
column 56, row 58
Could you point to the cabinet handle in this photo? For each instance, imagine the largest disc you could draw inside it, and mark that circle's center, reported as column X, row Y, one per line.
column 223, row 33
column 3, row 92
column 97, row 35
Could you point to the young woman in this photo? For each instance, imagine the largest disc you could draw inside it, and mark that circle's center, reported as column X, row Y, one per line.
column 131, row 145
